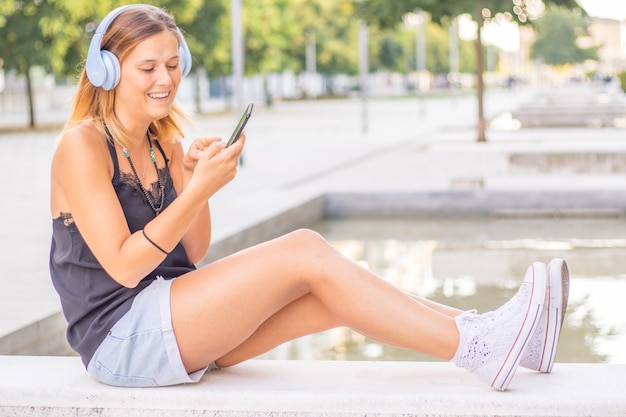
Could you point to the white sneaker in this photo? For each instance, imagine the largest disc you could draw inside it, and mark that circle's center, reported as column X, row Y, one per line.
column 492, row 344
column 542, row 347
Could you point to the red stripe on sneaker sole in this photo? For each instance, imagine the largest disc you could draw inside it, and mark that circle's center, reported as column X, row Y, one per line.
column 546, row 336
column 511, row 372
column 555, row 337
column 512, row 364
column 555, row 312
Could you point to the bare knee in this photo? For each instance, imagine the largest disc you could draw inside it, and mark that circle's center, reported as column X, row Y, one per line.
column 308, row 240
column 308, row 251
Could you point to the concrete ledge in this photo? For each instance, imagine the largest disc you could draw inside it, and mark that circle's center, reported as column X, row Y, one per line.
column 588, row 162
column 42, row 337
column 59, row 386
column 561, row 115
column 478, row 203
column 266, row 226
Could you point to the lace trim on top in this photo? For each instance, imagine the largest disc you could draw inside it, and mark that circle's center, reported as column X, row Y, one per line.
column 67, row 218
column 130, row 179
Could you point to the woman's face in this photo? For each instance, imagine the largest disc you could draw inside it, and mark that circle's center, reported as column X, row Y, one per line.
column 150, row 75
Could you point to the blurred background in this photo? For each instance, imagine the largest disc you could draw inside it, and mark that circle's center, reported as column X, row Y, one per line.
column 271, row 50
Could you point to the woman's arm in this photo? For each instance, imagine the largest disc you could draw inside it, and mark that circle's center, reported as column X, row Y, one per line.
column 201, row 172
column 81, row 185
column 197, row 239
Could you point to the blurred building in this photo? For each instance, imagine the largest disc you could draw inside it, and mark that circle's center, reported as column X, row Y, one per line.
column 609, row 36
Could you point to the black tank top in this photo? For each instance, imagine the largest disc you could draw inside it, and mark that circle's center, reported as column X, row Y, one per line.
column 91, row 300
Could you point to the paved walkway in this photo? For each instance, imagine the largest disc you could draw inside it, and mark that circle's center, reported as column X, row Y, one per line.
column 294, row 150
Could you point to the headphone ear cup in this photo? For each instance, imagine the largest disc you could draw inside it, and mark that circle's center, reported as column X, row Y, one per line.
column 111, row 70
column 185, row 61
column 184, row 53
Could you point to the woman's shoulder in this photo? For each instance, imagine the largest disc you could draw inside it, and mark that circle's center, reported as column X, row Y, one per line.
column 82, row 133
column 83, row 138
column 82, row 141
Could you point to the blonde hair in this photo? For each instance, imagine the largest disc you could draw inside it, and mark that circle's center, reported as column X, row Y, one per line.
column 93, row 103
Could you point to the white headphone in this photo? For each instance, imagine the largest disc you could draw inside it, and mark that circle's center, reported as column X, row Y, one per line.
column 103, row 67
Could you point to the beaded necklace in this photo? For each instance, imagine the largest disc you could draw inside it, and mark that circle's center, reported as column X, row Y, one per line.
column 153, row 205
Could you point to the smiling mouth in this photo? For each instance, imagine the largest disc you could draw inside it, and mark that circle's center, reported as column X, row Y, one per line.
column 159, row 95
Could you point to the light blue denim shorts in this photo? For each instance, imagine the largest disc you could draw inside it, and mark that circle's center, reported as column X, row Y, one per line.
column 141, row 349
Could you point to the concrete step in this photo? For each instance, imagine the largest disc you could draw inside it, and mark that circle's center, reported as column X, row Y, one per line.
column 42, row 337
column 59, row 386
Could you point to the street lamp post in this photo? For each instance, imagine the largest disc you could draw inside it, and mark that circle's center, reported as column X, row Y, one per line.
column 311, row 63
column 364, row 72
column 453, row 32
column 237, row 52
column 417, row 19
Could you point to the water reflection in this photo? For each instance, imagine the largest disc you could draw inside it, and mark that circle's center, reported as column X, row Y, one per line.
column 478, row 263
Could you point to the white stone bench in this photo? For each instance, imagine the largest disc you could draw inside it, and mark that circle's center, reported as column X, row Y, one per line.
column 59, row 386
column 558, row 115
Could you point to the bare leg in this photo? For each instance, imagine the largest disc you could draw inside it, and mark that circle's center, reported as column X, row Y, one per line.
column 242, row 304
column 302, row 317
column 306, row 315
column 441, row 308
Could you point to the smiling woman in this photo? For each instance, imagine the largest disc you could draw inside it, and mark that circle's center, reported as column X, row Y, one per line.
column 152, row 76
column 110, row 51
column 108, row 243
column 126, row 237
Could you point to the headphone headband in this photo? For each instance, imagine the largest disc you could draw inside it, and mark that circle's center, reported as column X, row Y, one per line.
column 103, row 67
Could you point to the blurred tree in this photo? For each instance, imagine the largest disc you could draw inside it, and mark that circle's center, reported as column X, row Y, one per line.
column 438, row 51
column 37, row 33
column 391, row 54
column 55, row 34
column 389, row 14
column 268, row 32
column 396, row 49
column 208, row 35
column 6, row 7
column 337, row 38
column 557, row 32
column 333, row 28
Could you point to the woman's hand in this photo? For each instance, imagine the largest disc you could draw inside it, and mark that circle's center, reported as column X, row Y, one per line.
column 195, row 151
column 209, row 165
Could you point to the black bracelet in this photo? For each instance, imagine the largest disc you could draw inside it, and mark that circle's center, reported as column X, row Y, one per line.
column 153, row 244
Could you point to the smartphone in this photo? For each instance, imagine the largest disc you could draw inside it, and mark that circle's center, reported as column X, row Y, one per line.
column 242, row 123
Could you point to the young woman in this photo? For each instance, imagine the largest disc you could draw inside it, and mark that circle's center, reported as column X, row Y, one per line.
column 131, row 217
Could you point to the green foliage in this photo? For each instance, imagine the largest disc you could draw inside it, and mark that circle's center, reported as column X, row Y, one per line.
column 53, row 34
column 387, row 13
column 557, row 32
column 268, row 31
column 337, row 40
column 27, row 35
column 336, row 34
column 397, row 50
column 622, row 79
column 384, row 14
column 208, row 35
column 392, row 53
column 438, row 51
column 6, row 7
column 56, row 33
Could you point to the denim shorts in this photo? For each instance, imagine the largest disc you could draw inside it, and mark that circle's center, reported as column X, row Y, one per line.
column 141, row 349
